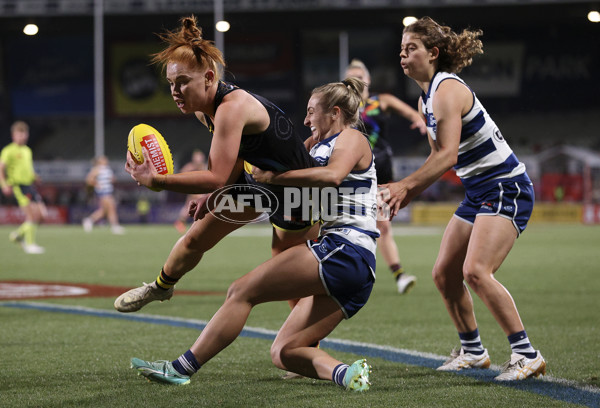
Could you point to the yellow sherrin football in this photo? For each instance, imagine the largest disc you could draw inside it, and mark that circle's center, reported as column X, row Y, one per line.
column 143, row 135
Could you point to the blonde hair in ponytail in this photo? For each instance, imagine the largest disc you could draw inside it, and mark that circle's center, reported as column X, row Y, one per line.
column 346, row 95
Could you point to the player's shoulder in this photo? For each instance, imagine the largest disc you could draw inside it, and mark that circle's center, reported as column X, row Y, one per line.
column 453, row 92
column 238, row 101
column 351, row 135
column 448, row 82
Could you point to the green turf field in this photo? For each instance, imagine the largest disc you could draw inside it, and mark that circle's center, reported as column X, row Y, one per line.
column 59, row 359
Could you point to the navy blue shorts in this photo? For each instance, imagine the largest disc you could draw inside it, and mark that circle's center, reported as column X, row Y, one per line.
column 347, row 271
column 25, row 194
column 509, row 199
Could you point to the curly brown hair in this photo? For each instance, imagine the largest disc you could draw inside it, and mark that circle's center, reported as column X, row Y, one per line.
column 456, row 50
column 186, row 45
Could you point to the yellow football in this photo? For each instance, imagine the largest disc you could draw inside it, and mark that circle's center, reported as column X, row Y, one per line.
column 143, row 135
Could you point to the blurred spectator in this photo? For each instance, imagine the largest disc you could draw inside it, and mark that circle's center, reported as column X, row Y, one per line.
column 143, row 209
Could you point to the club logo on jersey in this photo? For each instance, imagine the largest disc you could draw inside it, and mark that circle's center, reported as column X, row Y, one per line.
column 374, row 211
column 498, row 135
column 431, row 122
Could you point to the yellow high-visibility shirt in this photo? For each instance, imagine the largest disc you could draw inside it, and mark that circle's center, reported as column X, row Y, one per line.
column 18, row 162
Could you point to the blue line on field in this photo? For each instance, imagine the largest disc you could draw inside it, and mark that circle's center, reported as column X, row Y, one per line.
column 557, row 389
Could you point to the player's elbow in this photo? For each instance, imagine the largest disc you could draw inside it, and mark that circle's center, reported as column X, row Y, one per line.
column 218, row 184
column 447, row 159
column 332, row 179
column 452, row 160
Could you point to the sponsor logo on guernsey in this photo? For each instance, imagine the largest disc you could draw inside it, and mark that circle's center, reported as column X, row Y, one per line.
column 488, row 206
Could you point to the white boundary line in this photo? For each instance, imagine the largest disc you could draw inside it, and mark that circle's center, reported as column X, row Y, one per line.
column 586, row 395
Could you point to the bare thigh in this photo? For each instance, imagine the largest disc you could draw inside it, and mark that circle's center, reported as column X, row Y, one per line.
column 284, row 239
column 107, row 203
column 208, row 231
column 491, row 240
column 292, row 274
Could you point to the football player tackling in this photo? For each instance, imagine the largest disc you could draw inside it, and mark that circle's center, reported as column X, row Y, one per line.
column 331, row 276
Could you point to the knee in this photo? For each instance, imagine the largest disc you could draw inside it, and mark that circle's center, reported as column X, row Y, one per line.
column 194, row 242
column 439, row 279
column 279, row 352
column 384, row 228
column 38, row 216
column 235, row 290
column 276, row 355
column 474, row 274
column 447, row 285
column 240, row 291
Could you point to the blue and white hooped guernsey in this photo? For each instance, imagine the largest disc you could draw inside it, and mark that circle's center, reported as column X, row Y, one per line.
column 104, row 180
column 483, row 154
column 354, row 209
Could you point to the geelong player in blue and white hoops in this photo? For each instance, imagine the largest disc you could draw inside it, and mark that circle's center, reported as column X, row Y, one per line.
column 332, row 276
column 101, row 177
column 498, row 201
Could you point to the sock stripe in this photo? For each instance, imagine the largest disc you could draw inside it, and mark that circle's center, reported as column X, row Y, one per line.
column 339, row 372
column 472, row 335
column 396, row 270
column 186, row 365
column 187, row 361
column 166, row 278
column 471, row 342
column 520, row 344
column 164, row 281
